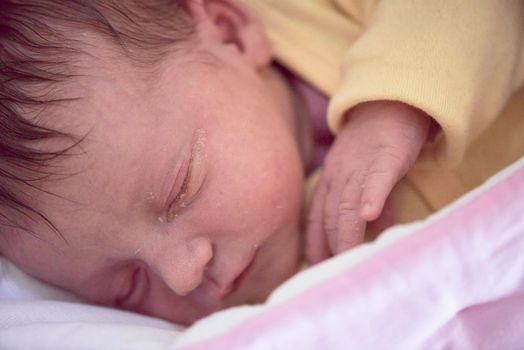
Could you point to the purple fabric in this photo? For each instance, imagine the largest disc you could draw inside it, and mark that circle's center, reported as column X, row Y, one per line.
column 316, row 104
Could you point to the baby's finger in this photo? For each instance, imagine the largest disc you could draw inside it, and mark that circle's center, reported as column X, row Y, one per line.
column 316, row 246
column 351, row 226
column 331, row 212
column 380, row 179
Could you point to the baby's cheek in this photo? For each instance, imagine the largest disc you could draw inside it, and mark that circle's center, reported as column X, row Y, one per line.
column 276, row 192
column 291, row 193
column 282, row 194
column 283, row 229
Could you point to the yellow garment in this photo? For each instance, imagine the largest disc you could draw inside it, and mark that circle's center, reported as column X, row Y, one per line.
column 462, row 62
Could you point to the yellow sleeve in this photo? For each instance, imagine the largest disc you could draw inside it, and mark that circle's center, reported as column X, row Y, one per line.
column 459, row 61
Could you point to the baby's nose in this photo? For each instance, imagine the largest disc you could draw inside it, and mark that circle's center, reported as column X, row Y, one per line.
column 183, row 271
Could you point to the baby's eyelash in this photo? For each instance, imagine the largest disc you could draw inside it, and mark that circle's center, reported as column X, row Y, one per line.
column 178, row 202
column 174, row 210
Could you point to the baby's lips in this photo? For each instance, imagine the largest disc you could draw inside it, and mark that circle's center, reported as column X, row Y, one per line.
column 236, row 283
column 242, row 276
column 135, row 291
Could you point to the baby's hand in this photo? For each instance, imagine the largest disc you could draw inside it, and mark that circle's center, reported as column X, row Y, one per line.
column 376, row 147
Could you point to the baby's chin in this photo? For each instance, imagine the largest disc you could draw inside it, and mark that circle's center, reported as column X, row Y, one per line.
column 258, row 286
column 255, row 290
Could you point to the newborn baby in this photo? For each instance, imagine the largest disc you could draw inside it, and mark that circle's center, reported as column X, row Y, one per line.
column 158, row 169
column 153, row 158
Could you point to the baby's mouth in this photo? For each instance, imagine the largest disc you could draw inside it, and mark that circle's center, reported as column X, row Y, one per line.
column 239, row 279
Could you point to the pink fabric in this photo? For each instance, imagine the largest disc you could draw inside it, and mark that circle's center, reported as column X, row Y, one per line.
column 455, row 282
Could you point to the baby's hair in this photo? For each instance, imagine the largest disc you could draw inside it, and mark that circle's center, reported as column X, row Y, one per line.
column 40, row 41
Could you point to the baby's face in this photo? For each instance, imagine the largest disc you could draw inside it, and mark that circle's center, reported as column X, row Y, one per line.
column 187, row 193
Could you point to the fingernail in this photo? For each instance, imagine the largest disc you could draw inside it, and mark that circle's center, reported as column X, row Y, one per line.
column 366, row 209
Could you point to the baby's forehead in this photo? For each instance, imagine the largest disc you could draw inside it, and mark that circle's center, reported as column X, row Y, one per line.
column 118, row 108
column 102, row 85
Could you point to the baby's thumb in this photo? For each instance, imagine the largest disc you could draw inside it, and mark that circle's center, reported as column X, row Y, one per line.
column 377, row 187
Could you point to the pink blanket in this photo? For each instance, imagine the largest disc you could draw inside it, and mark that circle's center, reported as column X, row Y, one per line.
column 455, row 281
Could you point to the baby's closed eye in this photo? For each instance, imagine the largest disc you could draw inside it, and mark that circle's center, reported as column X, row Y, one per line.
column 189, row 179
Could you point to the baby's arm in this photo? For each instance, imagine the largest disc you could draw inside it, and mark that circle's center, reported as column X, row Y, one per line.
column 457, row 61
column 375, row 148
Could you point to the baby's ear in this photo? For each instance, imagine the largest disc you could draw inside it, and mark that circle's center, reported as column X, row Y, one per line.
column 227, row 23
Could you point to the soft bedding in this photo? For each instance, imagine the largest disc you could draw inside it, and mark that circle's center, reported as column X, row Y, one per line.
column 453, row 281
